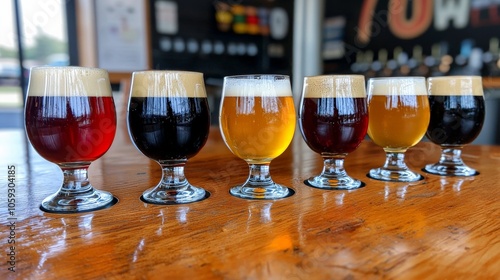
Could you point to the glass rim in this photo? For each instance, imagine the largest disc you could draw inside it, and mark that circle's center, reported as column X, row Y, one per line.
column 154, row 71
column 49, row 67
column 397, row 78
column 457, row 77
column 255, row 76
column 334, row 76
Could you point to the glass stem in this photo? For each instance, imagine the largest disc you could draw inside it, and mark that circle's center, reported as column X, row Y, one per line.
column 395, row 161
column 333, row 167
column 76, row 180
column 173, row 176
column 451, row 156
column 259, row 175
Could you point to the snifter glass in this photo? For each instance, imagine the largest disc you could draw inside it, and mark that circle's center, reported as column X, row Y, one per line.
column 70, row 120
column 169, row 121
column 333, row 119
column 457, row 116
column 257, row 122
column 399, row 115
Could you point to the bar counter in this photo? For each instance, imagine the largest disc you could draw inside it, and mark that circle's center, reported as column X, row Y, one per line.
column 437, row 228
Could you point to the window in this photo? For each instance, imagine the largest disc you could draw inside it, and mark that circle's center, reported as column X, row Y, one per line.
column 43, row 41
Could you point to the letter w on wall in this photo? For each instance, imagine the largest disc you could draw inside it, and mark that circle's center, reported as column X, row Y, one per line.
column 451, row 10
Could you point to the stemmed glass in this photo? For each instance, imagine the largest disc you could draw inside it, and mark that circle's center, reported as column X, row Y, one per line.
column 399, row 116
column 457, row 116
column 70, row 120
column 333, row 119
column 169, row 121
column 257, row 122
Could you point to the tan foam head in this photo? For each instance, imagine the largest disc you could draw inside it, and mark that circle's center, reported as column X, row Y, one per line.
column 334, row 86
column 159, row 83
column 456, row 85
column 68, row 81
column 257, row 85
column 397, row 86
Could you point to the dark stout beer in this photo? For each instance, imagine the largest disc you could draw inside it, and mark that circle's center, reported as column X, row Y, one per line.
column 456, row 120
column 169, row 128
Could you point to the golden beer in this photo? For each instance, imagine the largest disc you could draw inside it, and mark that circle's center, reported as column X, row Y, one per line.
column 398, row 120
column 257, row 128
column 399, row 115
column 257, row 122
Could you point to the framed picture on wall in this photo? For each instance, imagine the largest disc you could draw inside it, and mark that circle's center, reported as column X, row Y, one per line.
column 122, row 35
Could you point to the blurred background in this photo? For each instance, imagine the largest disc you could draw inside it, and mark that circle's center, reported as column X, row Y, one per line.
column 229, row 37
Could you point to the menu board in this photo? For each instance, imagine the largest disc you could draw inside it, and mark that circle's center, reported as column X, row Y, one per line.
column 221, row 38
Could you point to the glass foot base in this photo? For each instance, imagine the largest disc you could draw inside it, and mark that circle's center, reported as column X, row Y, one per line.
column 345, row 183
column 450, row 170
column 394, row 175
column 67, row 202
column 275, row 191
column 165, row 196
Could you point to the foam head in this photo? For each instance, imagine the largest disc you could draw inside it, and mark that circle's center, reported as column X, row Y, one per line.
column 397, row 86
column 456, row 85
column 158, row 83
column 257, row 85
column 334, row 86
column 68, row 81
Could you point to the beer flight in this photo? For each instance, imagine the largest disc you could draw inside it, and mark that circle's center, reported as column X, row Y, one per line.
column 70, row 120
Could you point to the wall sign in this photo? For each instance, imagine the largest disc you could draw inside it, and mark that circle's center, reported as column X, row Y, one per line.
column 121, row 28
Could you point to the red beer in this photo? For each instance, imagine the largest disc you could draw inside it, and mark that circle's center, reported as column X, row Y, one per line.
column 333, row 125
column 66, row 129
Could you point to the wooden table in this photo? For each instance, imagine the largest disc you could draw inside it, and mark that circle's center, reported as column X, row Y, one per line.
column 436, row 228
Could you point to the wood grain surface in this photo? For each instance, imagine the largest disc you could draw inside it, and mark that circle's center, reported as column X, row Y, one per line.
column 437, row 228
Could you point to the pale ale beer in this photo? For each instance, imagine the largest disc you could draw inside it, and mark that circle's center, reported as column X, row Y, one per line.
column 257, row 122
column 399, row 115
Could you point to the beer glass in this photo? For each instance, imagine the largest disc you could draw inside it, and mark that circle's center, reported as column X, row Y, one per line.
column 457, row 115
column 168, row 121
column 257, row 122
column 70, row 120
column 333, row 119
column 399, row 116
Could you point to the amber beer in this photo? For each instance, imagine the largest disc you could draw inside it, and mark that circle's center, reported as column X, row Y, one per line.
column 457, row 111
column 398, row 118
column 257, row 124
column 333, row 114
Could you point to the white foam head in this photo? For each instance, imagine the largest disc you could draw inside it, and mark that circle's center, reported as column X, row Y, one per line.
column 397, row 86
column 456, row 85
column 257, row 85
column 68, row 81
column 162, row 83
column 334, row 86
